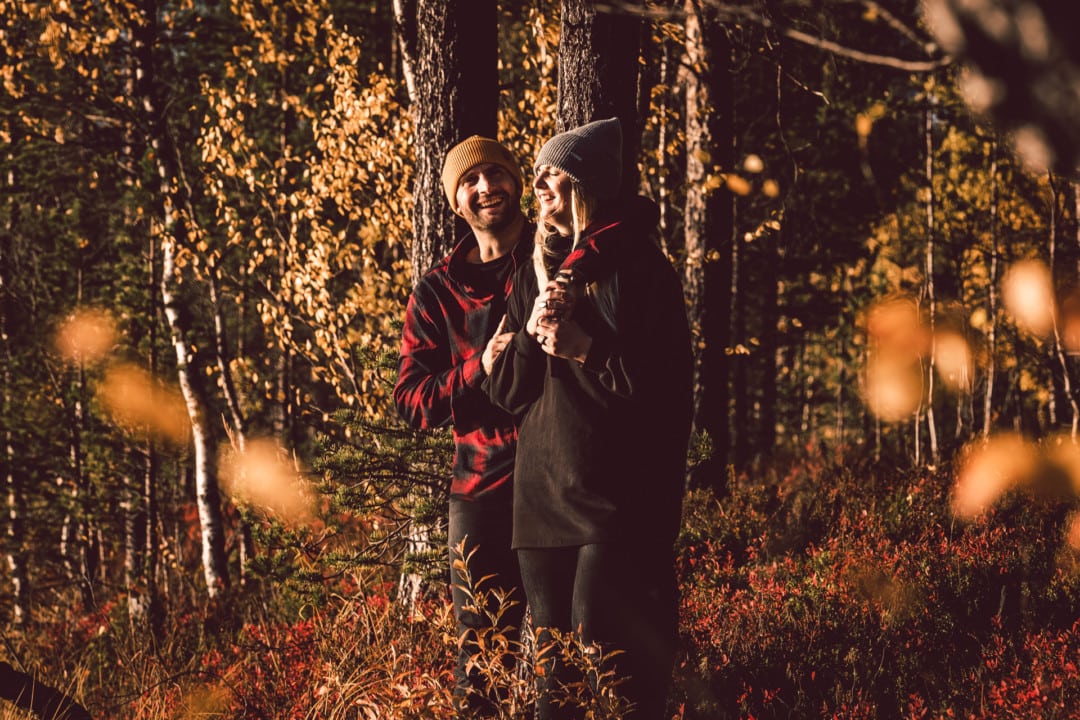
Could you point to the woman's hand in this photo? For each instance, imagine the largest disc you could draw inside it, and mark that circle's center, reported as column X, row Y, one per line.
column 563, row 338
column 552, row 302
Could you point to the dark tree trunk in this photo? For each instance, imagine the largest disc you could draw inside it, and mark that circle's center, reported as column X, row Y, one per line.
column 450, row 61
column 770, row 346
column 17, row 564
column 454, row 86
column 992, row 300
column 599, row 74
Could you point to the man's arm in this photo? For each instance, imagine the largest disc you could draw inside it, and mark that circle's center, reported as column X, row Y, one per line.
column 427, row 378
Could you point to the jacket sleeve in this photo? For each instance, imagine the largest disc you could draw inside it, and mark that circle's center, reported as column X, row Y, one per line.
column 427, row 378
column 517, row 377
column 648, row 353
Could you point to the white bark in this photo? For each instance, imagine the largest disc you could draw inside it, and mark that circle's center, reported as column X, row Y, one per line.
column 208, row 496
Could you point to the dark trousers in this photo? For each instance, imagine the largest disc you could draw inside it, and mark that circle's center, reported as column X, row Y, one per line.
column 612, row 595
column 485, row 527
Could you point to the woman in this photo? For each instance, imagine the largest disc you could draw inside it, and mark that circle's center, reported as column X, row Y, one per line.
column 598, row 376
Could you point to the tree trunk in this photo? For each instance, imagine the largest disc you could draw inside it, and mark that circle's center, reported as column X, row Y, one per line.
column 931, row 300
column 208, row 495
column 239, row 429
column 667, row 73
column 710, row 229
column 141, row 519
column 840, row 358
column 77, row 541
column 992, row 300
column 598, row 75
column 1076, row 218
column 16, row 556
column 455, row 80
column 1058, row 348
column 171, row 232
column 770, row 345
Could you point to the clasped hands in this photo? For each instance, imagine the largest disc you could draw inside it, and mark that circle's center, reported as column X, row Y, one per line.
column 551, row 324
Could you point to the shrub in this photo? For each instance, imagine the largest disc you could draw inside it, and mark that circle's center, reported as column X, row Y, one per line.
column 852, row 594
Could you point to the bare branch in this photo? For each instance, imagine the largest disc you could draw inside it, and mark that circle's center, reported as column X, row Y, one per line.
column 735, row 14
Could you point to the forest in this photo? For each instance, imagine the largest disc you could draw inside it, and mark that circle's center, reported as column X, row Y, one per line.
column 213, row 213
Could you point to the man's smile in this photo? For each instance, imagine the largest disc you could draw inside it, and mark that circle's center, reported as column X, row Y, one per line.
column 491, row 203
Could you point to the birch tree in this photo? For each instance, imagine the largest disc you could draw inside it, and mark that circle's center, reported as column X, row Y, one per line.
column 709, row 226
column 172, row 229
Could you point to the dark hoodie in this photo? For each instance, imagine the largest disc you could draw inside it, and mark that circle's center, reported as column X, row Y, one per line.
column 601, row 453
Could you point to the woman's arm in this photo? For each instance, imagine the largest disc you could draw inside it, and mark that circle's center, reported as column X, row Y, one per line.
column 650, row 345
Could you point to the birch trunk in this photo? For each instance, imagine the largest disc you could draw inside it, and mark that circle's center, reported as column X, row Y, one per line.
column 710, row 228
column 208, row 495
column 141, row 518
column 16, row 556
column 992, row 301
column 931, row 300
column 170, row 230
column 239, row 431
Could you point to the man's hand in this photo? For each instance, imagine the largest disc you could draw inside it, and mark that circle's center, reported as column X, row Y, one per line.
column 495, row 346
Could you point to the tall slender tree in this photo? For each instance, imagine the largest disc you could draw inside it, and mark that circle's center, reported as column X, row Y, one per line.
column 929, row 288
column 709, row 217
column 173, row 230
column 17, row 563
column 450, row 59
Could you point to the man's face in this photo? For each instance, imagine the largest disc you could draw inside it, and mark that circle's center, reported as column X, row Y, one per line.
column 487, row 197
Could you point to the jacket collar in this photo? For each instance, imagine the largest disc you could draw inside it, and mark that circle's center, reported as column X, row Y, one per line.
column 519, row 255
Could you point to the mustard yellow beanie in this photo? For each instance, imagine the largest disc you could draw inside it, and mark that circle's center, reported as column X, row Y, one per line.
column 472, row 151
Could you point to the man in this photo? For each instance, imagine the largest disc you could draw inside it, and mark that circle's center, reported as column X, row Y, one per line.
column 451, row 336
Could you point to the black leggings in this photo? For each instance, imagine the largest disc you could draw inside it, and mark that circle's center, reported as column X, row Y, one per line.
column 614, row 596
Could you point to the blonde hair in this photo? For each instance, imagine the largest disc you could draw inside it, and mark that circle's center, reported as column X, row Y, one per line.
column 545, row 250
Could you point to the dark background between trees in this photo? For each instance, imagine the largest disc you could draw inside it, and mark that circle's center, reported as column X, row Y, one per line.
column 245, row 192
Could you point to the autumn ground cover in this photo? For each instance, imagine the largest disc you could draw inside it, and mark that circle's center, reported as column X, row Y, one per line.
column 822, row 587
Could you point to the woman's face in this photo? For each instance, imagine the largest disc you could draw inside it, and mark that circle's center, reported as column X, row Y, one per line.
column 553, row 195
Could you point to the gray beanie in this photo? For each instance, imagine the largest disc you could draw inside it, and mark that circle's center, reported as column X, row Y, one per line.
column 590, row 154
